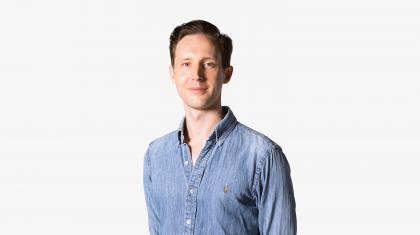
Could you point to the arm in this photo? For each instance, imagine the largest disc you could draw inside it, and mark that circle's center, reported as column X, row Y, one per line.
column 274, row 194
column 151, row 206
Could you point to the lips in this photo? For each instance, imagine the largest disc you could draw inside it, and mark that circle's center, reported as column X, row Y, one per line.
column 197, row 89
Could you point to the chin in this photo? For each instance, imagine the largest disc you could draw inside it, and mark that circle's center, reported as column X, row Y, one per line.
column 198, row 105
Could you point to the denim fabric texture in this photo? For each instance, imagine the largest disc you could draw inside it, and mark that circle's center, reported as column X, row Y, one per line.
column 240, row 184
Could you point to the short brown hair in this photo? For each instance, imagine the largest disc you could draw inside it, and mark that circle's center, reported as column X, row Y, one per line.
column 222, row 41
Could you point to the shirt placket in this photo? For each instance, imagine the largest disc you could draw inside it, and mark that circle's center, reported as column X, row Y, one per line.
column 194, row 176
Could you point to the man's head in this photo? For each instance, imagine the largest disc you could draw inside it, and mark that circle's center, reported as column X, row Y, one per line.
column 222, row 42
column 200, row 63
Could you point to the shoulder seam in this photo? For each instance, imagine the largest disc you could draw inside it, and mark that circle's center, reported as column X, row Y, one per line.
column 260, row 164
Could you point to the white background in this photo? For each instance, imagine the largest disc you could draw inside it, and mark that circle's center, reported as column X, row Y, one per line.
column 84, row 87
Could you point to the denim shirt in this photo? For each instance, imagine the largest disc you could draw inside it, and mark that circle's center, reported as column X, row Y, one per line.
column 240, row 183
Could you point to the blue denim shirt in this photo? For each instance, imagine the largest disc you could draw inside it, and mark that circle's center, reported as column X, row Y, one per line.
column 240, row 184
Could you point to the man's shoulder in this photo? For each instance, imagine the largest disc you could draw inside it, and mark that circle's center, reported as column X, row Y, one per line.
column 166, row 140
column 251, row 136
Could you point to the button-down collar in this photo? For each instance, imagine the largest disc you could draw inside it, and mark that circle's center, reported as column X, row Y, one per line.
column 228, row 121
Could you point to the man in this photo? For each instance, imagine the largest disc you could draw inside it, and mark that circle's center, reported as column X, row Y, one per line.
column 213, row 175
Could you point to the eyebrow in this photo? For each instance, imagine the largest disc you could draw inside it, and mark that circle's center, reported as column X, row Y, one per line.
column 204, row 58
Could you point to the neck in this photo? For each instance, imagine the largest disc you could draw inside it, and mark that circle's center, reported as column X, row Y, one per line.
column 200, row 124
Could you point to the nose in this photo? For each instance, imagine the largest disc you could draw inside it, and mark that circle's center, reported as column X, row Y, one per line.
column 197, row 72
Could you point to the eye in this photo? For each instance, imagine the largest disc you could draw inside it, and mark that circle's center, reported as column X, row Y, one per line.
column 210, row 64
column 186, row 64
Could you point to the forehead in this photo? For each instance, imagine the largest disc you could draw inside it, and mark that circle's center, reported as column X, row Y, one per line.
column 197, row 45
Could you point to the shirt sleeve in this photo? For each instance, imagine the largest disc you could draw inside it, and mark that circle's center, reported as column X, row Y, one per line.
column 153, row 217
column 274, row 195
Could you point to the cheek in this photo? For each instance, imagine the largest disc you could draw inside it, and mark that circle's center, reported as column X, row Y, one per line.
column 180, row 77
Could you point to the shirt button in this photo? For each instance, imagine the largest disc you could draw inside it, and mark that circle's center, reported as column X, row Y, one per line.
column 188, row 221
column 186, row 163
column 192, row 191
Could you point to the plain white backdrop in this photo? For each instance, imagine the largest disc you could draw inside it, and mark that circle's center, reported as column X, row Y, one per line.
column 84, row 88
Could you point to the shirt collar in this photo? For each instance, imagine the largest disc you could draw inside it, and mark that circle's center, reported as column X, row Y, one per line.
column 220, row 130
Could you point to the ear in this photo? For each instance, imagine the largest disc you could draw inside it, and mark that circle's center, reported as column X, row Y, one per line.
column 228, row 74
column 171, row 73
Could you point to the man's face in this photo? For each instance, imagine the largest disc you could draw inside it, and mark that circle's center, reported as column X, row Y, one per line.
column 198, row 73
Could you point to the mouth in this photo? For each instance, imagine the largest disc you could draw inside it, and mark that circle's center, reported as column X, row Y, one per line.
column 198, row 90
